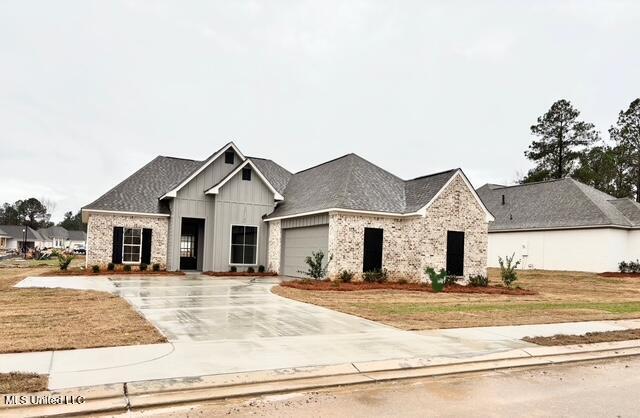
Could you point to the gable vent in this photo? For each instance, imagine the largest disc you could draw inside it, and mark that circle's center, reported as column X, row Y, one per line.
column 503, row 199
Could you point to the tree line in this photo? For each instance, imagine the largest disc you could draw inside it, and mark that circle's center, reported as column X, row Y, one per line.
column 565, row 146
column 35, row 214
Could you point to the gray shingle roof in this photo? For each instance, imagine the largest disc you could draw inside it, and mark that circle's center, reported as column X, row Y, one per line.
column 141, row 191
column 629, row 208
column 15, row 232
column 275, row 174
column 351, row 182
column 562, row 203
column 54, row 232
column 4, row 234
column 77, row 236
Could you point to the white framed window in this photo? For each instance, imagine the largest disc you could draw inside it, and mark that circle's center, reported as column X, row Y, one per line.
column 244, row 245
column 132, row 245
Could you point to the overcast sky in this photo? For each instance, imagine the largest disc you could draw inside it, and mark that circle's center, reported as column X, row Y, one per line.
column 92, row 90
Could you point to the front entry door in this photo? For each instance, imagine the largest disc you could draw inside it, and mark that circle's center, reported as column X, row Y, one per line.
column 372, row 259
column 455, row 253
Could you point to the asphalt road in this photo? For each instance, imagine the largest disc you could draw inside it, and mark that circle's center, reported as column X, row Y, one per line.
column 595, row 389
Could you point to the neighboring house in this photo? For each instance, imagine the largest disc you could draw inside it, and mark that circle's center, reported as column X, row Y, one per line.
column 4, row 239
column 561, row 225
column 232, row 210
column 16, row 235
column 59, row 237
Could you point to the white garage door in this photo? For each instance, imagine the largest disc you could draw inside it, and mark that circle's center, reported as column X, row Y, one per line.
column 299, row 243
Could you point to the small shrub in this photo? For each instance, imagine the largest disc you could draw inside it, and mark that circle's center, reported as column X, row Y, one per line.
column 233, row 269
column 251, row 270
column 479, row 281
column 450, row 280
column 127, row 267
column 316, row 269
column 375, row 276
column 95, row 269
column 629, row 267
column 335, row 283
column 438, row 280
column 143, row 267
column 155, row 267
column 403, row 281
column 346, row 276
column 508, row 269
column 64, row 260
column 111, row 267
column 260, row 269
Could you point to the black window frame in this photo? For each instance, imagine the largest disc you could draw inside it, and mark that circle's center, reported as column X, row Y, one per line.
column 229, row 157
column 238, row 242
column 246, row 173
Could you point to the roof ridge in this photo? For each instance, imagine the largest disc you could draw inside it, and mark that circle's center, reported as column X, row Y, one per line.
column 602, row 213
column 432, row 174
column 376, row 165
column 529, row 184
column 342, row 197
column 326, row 162
column 180, row 158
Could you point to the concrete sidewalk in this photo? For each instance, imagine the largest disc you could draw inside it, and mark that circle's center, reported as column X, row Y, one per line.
column 88, row 367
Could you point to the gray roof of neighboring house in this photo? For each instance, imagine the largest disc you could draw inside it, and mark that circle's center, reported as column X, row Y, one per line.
column 77, row 236
column 351, row 182
column 54, row 232
column 4, row 234
column 15, row 232
column 563, row 203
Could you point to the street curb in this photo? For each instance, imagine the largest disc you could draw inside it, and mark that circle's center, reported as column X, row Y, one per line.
column 120, row 398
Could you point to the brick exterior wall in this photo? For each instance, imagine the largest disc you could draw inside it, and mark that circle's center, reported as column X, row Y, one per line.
column 100, row 236
column 412, row 244
column 275, row 246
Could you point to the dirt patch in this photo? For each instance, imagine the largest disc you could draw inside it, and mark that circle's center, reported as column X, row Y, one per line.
column 588, row 338
column 560, row 296
column 60, row 319
column 239, row 274
column 618, row 274
column 22, row 382
column 328, row 286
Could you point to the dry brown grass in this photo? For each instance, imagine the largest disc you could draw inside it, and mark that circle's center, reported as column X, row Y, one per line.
column 59, row 319
column 22, row 382
column 588, row 338
column 561, row 297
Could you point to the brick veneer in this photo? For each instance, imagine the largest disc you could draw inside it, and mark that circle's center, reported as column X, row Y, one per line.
column 100, row 236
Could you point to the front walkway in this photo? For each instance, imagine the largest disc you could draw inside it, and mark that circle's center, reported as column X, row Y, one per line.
column 230, row 325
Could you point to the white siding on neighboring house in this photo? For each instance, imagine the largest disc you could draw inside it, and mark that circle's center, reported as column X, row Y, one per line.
column 595, row 250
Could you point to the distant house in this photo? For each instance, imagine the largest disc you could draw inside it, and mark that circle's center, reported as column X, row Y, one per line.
column 16, row 236
column 561, row 225
column 4, row 238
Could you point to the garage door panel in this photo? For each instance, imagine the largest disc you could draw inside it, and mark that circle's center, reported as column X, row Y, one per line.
column 298, row 243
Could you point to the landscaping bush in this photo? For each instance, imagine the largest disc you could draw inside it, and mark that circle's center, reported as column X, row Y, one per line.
column 127, row 267
column 508, row 269
column 403, row 281
column 111, row 267
column 375, row 276
column 629, row 267
column 95, row 269
column 479, row 281
column 316, row 269
column 260, row 269
column 143, row 267
column 450, row 280
column 64, row 259
column 346, row 276
column 438, row 280
column 250, row 270
column 233, row 269
column 155, row 267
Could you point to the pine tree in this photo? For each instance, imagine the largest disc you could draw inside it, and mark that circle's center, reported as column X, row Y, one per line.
column 562, row 138
column 626, row 133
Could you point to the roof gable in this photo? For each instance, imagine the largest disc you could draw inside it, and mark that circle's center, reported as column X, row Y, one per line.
column 216, row 189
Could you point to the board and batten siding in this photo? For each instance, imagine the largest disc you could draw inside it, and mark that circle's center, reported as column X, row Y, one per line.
column 311, row 220
column 241, row 202
column 191, row 202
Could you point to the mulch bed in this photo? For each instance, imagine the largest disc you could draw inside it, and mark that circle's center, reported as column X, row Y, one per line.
column 111, row 273
column 325, row 285
column 238, row 273
column 588, row 338
column 618, row 274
